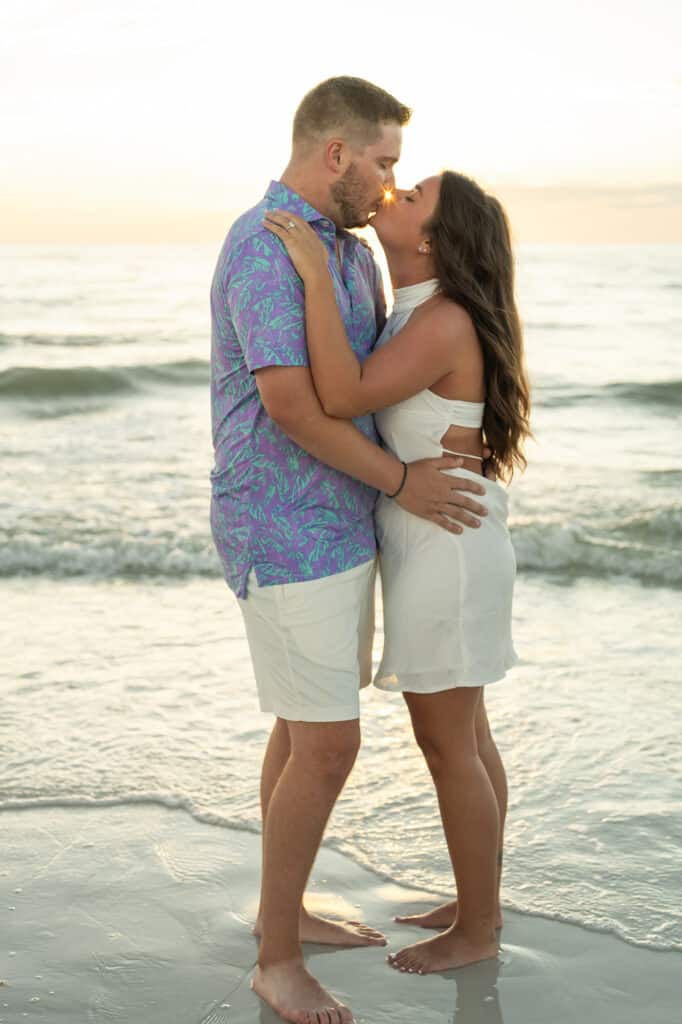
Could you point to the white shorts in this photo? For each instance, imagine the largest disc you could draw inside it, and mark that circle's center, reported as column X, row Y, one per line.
column 311, row 644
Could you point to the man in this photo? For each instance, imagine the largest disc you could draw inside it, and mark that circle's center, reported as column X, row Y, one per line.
column 293, row 496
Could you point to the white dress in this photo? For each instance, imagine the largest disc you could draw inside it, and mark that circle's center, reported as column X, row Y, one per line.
column 447, row 598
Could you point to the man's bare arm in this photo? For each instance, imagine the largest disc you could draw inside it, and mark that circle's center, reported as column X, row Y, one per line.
column 290, row 399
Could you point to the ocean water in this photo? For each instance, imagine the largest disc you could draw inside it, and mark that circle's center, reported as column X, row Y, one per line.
column 124, row 672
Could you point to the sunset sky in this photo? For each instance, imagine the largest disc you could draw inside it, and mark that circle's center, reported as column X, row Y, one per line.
column 159, row 121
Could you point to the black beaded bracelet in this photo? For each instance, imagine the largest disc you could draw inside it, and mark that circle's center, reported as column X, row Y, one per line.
column 402, row 482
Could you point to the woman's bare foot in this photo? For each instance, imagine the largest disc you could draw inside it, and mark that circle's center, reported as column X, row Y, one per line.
column 451, row 949
column 296, row 996
column 313, row 928
column 443, row 916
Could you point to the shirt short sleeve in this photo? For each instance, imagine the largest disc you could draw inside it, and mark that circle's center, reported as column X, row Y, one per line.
column 266, row 302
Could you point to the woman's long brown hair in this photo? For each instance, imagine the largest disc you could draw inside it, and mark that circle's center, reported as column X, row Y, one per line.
column 472, row 252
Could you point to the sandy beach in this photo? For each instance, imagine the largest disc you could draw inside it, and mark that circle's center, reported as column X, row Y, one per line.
column 142, row 915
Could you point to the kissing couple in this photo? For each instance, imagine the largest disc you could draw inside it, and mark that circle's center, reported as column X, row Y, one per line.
column 341, row 435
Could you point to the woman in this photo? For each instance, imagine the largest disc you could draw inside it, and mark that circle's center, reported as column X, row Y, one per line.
column 446, row 372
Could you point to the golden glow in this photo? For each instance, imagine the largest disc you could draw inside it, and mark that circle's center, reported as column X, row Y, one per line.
column 388, row 196
column 90, row 153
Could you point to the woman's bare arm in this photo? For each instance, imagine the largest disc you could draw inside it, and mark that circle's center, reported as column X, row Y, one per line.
column 419, row 355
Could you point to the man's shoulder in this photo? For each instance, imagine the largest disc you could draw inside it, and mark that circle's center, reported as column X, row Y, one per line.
column 249, row 247
column 247, row 226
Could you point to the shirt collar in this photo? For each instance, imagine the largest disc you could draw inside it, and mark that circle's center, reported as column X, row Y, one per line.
column 282, row 197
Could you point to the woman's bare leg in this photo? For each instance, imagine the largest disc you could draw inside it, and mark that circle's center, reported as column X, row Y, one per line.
column 490, row 755
column 446, row 913
column 444, row 727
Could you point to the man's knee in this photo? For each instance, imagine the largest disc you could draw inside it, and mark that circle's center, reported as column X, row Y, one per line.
column 330, row 749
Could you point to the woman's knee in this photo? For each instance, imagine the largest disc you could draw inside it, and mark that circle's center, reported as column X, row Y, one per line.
column 484, row 736
column 446, row 751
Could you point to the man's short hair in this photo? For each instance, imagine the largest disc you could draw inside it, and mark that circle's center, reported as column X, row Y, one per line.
column 350, row 107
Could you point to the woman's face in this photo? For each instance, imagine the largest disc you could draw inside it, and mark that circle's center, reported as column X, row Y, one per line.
column 399, row 221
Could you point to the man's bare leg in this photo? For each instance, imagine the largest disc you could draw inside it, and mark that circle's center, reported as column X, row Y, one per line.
column 444, row 727
column 445, row 915
column 276, row 756
column 312, row 927
column 322, row 755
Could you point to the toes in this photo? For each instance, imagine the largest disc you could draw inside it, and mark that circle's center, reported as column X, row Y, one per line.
column 366, row 929
column 372, row 936
column 404, row 960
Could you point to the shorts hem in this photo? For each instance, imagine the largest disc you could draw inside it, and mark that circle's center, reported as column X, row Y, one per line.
column 314, row 714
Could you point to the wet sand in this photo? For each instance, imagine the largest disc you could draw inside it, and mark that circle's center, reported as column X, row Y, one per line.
column 141, row 914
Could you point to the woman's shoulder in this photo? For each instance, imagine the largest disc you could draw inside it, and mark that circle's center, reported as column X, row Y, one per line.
column 446, row 317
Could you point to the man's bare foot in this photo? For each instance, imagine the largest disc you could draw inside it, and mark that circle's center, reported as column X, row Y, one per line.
column 443, row 916
column 313, row 928
column 296, row 996
column 451, row 949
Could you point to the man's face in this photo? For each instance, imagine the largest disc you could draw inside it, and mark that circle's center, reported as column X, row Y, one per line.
column 360, row 189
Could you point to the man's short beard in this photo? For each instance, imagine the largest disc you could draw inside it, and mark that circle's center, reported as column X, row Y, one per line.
column 350, row 195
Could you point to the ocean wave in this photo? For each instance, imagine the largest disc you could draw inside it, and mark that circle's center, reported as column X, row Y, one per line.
column 662, row 477
column 664, row 393
column 68, row 340
column 645, row 547
column 558, row 396
column 657, row 392
column 555, row 325
column 108, row 556
column 571, row 549
column 346, row 848
column 35, row 382
column 662, row 525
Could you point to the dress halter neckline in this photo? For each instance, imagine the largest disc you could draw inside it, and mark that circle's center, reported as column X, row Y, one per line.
column 408, row 298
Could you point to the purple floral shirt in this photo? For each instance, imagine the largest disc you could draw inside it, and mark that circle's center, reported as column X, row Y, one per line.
column 274, row 507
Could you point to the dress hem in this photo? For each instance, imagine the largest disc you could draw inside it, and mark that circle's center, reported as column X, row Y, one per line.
column 381, row 683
